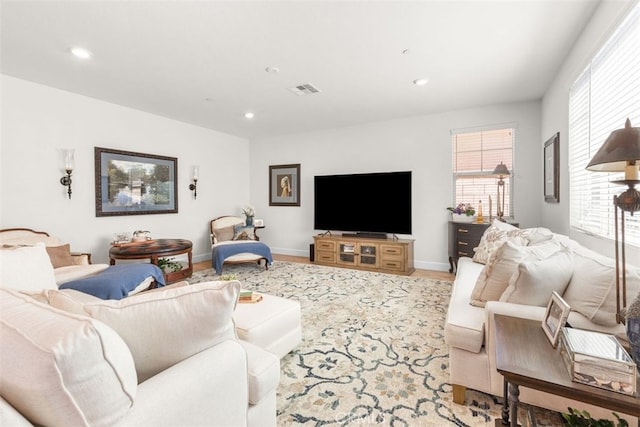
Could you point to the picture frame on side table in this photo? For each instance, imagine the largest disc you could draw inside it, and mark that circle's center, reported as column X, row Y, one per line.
column 552, row 169
column 284, row 185
column 129, row 183
column 555, row 318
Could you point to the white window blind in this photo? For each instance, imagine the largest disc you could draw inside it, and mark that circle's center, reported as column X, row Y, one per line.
column 600, row 100
column 475, row 156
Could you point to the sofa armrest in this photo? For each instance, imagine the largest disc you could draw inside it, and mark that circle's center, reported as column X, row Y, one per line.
column 208, row 388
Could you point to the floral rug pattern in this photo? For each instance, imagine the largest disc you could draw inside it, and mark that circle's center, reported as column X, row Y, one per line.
column 372, row 351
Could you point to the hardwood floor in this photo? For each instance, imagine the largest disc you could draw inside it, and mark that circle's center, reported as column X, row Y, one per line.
column 427, row 274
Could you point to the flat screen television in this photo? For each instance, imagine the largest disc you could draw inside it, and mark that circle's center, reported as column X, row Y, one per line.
column 377, row 203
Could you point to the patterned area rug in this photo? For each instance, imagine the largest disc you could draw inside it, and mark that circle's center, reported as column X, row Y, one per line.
column 372, row 353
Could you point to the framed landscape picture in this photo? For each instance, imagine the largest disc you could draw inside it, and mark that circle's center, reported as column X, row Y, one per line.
column 284, row 185
column 129, row 183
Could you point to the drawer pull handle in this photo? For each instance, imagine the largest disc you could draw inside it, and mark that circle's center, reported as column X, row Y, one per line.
column 462, row 253
column 463, row 243
column 462, row 230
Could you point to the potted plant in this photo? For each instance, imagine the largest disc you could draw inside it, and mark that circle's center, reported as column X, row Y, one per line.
column 577, row 418
column 463, row 212
column 168, row 265
column 249, row 212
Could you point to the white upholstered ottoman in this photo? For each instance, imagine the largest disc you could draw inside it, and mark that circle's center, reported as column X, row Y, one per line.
column 273, row 324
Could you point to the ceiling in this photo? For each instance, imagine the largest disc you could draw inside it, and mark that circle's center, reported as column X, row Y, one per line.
column 204, row 62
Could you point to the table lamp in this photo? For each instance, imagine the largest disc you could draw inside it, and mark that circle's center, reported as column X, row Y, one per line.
column 621, row 152
column 501, row 171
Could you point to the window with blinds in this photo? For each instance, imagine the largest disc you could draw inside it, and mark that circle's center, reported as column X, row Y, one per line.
column 475, row 156
column 600, row 100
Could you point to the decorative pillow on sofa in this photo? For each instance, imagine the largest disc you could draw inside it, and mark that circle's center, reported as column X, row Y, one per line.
column 60, row 369
column 592, row 289
column 165, row 327
column 223, row 234
column 494, row 236
column 534, row 282
column 26, row 268
column 60, row 255
column 243, row 232
column 494, row 277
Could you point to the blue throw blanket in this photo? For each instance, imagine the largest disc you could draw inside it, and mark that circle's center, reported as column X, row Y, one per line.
column 221, row 252
column 116, row 281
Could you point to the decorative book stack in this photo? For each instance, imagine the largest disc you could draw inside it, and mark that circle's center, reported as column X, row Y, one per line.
column 249, row 297
column 598, row 360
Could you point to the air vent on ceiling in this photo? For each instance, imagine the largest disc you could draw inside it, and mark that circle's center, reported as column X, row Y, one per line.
column 305, row 89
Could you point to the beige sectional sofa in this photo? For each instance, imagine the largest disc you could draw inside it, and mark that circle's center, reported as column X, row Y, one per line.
column 145, row 360
column 514, row 272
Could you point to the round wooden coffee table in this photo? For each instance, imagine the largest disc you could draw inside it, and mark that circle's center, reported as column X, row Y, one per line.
column 153, row 250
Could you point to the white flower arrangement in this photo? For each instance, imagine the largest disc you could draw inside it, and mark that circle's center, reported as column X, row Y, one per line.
column 249, row 211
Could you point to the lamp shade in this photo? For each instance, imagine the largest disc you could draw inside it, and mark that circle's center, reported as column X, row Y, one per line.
column 620, row 150
column 501, row 169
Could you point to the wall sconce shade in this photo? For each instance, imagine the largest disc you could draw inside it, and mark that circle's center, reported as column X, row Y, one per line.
column 194, row 187
column 69, row 164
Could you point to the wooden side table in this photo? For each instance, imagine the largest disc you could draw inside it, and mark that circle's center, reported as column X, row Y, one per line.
column 154, row 249
column 525, row 357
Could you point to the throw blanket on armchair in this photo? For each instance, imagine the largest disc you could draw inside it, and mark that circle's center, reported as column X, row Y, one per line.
column 222, row 251
column 116, row 281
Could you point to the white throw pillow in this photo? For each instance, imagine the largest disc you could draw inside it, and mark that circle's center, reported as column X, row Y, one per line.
column 60, row 369
column 534, row 282
column 165, row 327
column 26, row 268
column 592, row 289
column 493, row 237
column 494, row 277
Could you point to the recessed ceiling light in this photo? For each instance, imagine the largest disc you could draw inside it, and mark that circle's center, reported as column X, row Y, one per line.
column 420, row 82
column 249, row 115
column 81, row 52
column 406, row 52
column 272, row 70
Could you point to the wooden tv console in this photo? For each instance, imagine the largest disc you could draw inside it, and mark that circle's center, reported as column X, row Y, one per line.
column 383, row 255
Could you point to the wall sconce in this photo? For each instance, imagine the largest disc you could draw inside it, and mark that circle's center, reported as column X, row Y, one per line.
column 501, row 171
column 194, row 187
column 67, row 154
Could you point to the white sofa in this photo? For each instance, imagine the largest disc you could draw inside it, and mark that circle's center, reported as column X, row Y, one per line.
column 514, row 273
column 161, row 358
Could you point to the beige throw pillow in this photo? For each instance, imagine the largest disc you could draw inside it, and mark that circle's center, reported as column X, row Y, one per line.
column 493, row 237
column 494, row 277
column 165, row 327
column 534, row 282
column 59, row 369
column 26, row 268
column 60, row 255
column 592, row 289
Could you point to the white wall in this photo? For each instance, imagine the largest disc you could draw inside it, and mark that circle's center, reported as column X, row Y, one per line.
column 555, row 117
column 419, row 144
column 38, row 120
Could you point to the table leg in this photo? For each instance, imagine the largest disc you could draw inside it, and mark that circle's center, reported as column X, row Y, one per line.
column 505, row 402
column 514, row 392
column 112, row 261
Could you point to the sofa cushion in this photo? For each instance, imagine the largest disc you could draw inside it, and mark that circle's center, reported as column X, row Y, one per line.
column 493, row 237
column 70, row 273
column 165, row 327
column 464, row 327
column 60, row 256
column 26, row 268
column 60, row 369
column 494, row 277
column 263, row 369
column 534, row 281
column 592, row 289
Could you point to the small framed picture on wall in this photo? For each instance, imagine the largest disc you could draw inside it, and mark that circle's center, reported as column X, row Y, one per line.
column 284, row 185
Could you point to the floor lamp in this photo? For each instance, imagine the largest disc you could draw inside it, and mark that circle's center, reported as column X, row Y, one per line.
column 621, row 152
column 501, row 171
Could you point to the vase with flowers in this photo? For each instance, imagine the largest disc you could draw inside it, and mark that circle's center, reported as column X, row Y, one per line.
column 463, row 212
column 249, row 212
